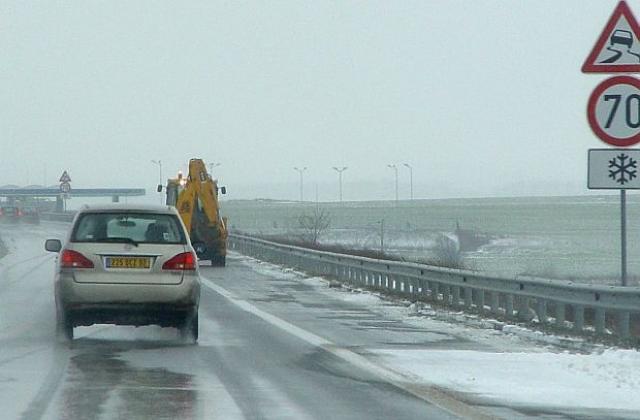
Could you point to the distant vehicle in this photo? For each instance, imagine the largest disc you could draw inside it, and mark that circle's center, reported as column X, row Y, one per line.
column 621, row 37
column 10, row 214
column 126, row 265
column 30, row 215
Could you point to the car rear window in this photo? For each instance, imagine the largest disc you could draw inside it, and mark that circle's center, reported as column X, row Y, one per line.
column 129, row 227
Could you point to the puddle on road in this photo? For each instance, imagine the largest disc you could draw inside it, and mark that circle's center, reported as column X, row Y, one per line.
column 99, row 382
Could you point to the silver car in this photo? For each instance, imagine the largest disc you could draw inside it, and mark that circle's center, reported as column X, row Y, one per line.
column 126, row 265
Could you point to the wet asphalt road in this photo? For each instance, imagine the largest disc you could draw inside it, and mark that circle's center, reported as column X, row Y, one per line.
column 272, row 345
column 243, row 367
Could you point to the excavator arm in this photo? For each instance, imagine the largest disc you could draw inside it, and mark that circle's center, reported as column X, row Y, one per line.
column 198, row 205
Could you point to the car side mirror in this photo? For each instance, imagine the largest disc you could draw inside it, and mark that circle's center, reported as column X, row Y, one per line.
column 159, row 189
column 53, row 245
column 223, row 190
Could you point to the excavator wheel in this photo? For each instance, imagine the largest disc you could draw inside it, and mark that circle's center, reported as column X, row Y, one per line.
column 219, row 261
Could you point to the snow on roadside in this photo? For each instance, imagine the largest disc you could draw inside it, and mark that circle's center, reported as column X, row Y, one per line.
column 603, row 381
column 421, row 316
column 521, row 366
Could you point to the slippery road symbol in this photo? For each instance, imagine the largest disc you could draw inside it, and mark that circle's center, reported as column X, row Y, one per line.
column 623, row 38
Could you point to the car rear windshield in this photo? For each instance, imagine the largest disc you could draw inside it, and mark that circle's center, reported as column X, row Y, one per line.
column 129, row 228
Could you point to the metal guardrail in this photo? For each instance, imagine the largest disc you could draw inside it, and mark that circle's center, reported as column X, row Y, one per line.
column 583, row 309
column 58, row 217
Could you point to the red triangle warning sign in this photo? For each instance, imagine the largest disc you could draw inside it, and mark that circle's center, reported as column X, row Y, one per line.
column 65, row 178
column 618, row 47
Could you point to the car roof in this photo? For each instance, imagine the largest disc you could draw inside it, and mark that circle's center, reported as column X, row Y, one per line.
column 128, row 208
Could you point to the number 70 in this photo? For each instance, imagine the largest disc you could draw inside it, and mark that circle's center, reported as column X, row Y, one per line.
column 629, row 105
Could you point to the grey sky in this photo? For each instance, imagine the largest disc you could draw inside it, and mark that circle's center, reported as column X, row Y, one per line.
column 481, row 97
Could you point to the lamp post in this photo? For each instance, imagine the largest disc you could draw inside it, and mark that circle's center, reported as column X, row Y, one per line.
column 159, row 163
column 301, row 171
column 410, row 178
column 340, row 171
column 395, row 170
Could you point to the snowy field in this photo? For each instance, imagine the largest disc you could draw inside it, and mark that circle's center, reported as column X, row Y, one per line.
column 575, row 238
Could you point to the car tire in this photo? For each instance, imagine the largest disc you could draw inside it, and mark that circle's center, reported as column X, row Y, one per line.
column 64, row 328
column 219, row 261
column 190, row 328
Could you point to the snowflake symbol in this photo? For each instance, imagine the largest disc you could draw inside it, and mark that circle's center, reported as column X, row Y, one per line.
column 622, row 170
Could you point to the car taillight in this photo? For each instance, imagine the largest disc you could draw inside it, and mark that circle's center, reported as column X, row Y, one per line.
column 184, row 261
column 74, row 259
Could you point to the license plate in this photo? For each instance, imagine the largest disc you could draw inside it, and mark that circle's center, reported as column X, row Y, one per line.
column 128, row 262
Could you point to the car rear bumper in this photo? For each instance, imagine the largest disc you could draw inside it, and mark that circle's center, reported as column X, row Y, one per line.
column 129, row 314
column 70, row 293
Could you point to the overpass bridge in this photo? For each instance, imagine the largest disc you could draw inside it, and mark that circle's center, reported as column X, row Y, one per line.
column 13, row 192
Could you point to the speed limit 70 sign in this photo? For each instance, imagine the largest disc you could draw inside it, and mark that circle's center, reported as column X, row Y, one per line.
column 614, row 111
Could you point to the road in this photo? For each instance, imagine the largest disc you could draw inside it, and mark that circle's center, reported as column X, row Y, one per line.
column 273, row 345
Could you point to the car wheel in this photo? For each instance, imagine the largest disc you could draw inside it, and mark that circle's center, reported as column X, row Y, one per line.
column 189, row 328
column 64, row 328
column 219, row 261
column 194, row 328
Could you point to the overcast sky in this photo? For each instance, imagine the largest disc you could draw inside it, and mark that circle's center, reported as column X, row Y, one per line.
column 482, row 98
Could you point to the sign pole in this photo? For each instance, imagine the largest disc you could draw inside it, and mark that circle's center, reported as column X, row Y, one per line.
column 623, row 236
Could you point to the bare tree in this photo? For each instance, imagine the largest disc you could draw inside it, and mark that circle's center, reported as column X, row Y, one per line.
column 447, row 253
column 314, row 224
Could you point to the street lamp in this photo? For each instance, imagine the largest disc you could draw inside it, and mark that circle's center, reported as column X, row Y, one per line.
column 395, row 169
column 340, row 171
column 410, row 177
column 300, row 171
column 159, row 163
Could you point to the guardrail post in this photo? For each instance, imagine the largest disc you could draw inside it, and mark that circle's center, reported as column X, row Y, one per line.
column 456, row 296
column 446, row 294
column 600, row 321
column 623, row 324
column 424, row 288
column 480, row 301
column 560, row 314
column 508, row 306
column 468, row 297
column 435, row 290
column 578, row 318
column 495, row 302
column 524, row 310
column 541, row 310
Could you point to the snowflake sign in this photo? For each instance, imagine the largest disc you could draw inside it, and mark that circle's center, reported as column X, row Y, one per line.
column 624, row 168
column 614, row 169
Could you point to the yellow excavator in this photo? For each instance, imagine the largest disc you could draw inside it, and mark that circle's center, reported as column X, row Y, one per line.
column 196, row 199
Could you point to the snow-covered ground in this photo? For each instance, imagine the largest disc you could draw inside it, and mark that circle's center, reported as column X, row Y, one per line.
column 598, row 380
column 519, row 366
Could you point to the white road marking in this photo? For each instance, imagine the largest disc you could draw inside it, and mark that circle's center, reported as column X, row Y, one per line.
column 272, row 402
column 430, row 395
